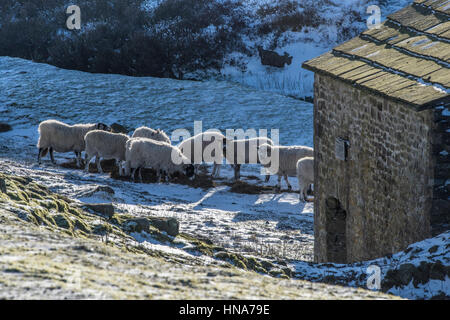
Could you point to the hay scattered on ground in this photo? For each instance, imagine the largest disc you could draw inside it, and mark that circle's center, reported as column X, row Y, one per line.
column 204, row 180
column 246, row 188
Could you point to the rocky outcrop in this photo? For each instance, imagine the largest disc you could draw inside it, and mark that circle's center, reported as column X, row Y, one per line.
column 417, row 275
column 105, row 209
column 171, row 226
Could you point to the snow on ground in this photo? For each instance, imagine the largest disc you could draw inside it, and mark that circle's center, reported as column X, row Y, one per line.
column 305, row 44
column 267, row 225
column 245, row 223
column 292, row 80
column 416, row 273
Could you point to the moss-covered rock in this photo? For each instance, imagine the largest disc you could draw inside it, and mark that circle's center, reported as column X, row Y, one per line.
column 105, row 209
column 42, row 207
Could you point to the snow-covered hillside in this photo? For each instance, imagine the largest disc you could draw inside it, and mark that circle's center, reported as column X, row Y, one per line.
column 273, row 227
column 335, row 22
column 187, row 39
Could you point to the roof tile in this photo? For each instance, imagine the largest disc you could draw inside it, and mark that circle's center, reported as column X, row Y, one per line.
column 406, row 59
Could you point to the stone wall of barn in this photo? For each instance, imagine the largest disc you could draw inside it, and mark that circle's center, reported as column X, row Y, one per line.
column 378, row 200
column 440, row 213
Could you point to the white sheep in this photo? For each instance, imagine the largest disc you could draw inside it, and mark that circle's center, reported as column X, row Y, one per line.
column 106, row 145
column 244, row 151
column 60, row 137
column 286, row 164
column 202, row 148
column 145, row 132
column 305, row 175
column 160, row 156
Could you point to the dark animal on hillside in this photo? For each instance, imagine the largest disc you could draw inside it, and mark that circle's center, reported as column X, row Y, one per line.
column 271, row 58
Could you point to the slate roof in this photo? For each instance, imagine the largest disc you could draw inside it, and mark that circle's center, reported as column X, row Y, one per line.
column 407, row 59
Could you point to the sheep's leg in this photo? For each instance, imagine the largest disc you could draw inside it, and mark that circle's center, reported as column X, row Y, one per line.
column 52, row 157
column 78, row 158
column 158, row 176
column 121, row 169
column 267, row 178
column 216, row 170
column 88, row 161
column 305, row 194
column 196, row 169
column 167, row 177
column 301, row 195
column 99, row 166
column 237, row 172
column 279, row 182
column 41, row 151
column 310, row 189
column 219, row 166
column 287, row 182
column 133, row 174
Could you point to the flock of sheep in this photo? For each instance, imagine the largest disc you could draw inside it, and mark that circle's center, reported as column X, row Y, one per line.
column 149, row 148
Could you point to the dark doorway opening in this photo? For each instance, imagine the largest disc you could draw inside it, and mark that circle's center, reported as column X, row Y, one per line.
column 336, row 219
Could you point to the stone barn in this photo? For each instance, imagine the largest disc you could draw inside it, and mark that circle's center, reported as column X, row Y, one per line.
column 382, row 136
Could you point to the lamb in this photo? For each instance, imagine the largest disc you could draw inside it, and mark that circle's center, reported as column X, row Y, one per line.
column 60, row 137
column 106, row 145
column 287, row 160
column 145, row 132
column 305, row 175
column 147, row 153
column 207, row 141
column 242, row 153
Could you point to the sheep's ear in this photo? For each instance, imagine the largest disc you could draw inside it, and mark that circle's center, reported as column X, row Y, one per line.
column 102, row 126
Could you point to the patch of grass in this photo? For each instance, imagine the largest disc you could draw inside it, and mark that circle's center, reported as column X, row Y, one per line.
column 206, row 247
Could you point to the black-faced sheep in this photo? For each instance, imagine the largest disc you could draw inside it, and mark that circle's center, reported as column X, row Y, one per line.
column 145, row 132
column 60, row 137
column 285, row 157
column 244, row 151
column 106, row 145
column 160, row 156
column 204, row 147
column 305, row 175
